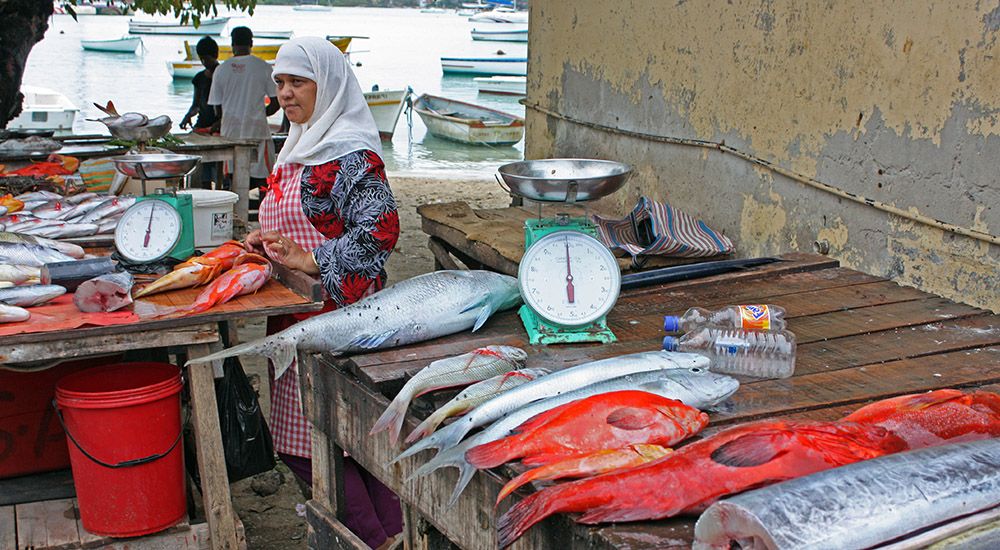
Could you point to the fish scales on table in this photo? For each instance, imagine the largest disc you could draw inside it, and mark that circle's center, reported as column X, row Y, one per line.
column 552, row 385
column 472, row 397
column 414, row 310
column 859, row 505
column 109, row 292
column 475, row 366
column 30, row 254
column 694, row 386
column 13, row 314
column 30, row 295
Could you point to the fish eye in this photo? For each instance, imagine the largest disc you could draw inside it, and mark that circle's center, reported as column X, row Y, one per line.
column 695, row 369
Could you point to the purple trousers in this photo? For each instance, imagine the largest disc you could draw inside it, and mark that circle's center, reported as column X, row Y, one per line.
column 371, row 511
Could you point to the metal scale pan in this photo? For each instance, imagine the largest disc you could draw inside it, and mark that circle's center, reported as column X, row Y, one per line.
column 563, row 180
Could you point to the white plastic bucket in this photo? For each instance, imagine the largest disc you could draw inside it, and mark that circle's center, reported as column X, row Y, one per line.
column 213, row 216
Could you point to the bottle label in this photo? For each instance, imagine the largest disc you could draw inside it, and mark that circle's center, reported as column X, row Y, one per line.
column 731, row 345
column 755, row 317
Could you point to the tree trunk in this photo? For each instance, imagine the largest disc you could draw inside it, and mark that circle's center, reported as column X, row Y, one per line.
column 24, row 24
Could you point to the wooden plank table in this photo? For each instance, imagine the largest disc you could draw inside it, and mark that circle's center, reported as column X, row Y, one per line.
column 861, row 338
column 199, row 335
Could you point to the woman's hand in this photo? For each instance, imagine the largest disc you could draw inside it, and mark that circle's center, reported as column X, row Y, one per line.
column 253, row 243
column 285, row 251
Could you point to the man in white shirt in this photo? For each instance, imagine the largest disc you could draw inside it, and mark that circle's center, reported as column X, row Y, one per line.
column 239, row 88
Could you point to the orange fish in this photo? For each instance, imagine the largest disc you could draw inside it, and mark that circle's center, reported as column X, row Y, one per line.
column 227, row 253
column 250, row 273
column 588, row 465
column 689, row 479
column 12, row 204
column 197, row 270
column 604, row 421
column 933, row 418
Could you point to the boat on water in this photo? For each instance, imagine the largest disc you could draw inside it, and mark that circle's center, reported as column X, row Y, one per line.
column 312, row 7
column 504, row 85
column 501, row 14
column 514, row 66
column 191, row 65
column 492, row 35
column 468, row 123
column 212, row 26
column 264, row 33
column 385, row 105
column 44, row 109
column 434, row 10
column 125, row 44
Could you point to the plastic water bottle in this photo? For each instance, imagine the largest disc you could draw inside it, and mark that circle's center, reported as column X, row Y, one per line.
column 746, row 317
column 736, row 351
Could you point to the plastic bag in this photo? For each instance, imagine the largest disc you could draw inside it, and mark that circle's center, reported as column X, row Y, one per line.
column 246, row 441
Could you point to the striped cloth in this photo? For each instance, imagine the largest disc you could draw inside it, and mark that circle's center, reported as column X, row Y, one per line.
column 673, row 233
column 98, row 174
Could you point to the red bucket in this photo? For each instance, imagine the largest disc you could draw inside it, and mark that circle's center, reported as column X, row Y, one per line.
column 123, row 425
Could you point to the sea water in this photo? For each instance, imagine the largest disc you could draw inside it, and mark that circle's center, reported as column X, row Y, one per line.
column 403, row 49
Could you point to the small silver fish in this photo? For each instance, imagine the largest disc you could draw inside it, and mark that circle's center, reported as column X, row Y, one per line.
column 64, row 230
column 19, row 274
column 108, row 225
column 68, row 249
column 475, row 366
column 109, row 292
column 31, row 295
column 53, row 210
column 38, row 196
column 30, row 254
column 13, row 314
column 85, row 207
column 81, row 197
column 107, row 209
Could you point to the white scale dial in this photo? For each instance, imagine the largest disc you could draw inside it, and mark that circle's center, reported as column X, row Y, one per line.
column 569, row 278
column 148, row 231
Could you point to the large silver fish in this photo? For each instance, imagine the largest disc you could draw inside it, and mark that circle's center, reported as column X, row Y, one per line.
column 552, row 385
column 475, row 366
column 30, row 254
column 418, row 309
column 860, row 505
column 696, row 387
column 68, row 249
column 31, row 295
column 13, row 314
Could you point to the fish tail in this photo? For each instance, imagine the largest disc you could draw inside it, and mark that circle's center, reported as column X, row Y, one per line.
column 524, row 514
column 279, row 348
column 466, row 471
column 535, row 474
column 148, row 310
column 492, row 454
column 450, row 457
column 444, row 438
column 392, row 418
column 428, row 426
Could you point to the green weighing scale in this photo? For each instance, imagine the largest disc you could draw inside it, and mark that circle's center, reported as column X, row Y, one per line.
column 161, row 224
column 568, row 278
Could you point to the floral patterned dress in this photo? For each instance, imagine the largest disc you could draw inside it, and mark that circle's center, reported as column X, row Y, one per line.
column 349, row 202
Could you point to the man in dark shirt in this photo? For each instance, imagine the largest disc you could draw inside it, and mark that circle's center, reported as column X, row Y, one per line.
column 208, row 53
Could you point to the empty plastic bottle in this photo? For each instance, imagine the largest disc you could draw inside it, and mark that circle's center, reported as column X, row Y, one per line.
column 747, row 317
column 736, row 351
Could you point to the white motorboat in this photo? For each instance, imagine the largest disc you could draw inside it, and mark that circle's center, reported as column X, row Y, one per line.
column 468, row 123
column 264, row 33
column 505, row 85
column 312, row 7
column 386, row 107
column 501, row 14
column 44, row 109
column 125, row 44
column 206, row 27
column 515, row 66
column 494, row 35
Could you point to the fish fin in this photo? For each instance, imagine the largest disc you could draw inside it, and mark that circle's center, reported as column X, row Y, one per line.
column 444, row 438
column 372, row 341
column 752, row 449
column 610, row 513
column 631, row 418
column 279, row 348
column 878, row 410
column 426, row 427
column 534, row 474
column 454, row 456
column 544, row 459
column 393, row 416
column 494, row 453
column 484, row 315
column 534, row 508
column 465, row 474
column 473, row 305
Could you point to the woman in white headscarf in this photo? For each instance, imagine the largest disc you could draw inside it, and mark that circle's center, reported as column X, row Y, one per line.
column 328, row 211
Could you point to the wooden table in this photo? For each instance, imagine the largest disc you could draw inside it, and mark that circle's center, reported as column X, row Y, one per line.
column 861, row 338
column 238, row 153
column 197, row 335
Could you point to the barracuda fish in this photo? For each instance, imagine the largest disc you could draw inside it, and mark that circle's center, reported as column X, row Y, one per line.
column 31, row 295
column 108, row 209
column 62, row 230
column 109, row 292
column 863, row 504
column 417, row 309
column 13, row 314
column 68, row 249
column 554, row 384
column 696, row 387
column 30, row 254
column 460, row 370
column 19, row 274
column 472, row 397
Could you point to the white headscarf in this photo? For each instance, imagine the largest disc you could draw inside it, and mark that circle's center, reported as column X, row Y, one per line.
column 341, row 122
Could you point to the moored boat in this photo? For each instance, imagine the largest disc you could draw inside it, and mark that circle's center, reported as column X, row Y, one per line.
column 386, row 107
column 468, row 123
column 191, row 65
column 44, row 109
column 312, row 7
column 516, row 66
column 125, row 44
column 264, row 33
column 505, row 85
column 501, row 14
column 492, row 35
column 212, row 26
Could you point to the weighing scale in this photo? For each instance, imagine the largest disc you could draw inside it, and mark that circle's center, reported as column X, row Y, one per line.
column 568, row 278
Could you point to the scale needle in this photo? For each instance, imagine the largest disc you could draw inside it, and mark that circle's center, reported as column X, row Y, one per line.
column 149, row 228
column 569, row 275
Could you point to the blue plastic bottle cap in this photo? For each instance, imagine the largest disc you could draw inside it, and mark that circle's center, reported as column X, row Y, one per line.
column 671, row 323
column 669, row 343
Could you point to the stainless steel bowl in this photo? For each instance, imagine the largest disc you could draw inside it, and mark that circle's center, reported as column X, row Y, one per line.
column 159, row 166
column 564, row 180
column 151, row 131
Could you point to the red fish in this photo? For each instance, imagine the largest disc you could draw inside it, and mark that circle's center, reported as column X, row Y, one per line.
column 197, row 270
column 227, row 253
column 606, row 421
column 250, row 273
column 589, row 465
column 689, row 479
column 933, row 418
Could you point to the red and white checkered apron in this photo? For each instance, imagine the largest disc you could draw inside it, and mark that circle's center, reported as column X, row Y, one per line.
column 281, row 210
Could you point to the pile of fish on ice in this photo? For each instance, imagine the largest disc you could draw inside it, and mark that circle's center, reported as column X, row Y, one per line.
column 51, row 215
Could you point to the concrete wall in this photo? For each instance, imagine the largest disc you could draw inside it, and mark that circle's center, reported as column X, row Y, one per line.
column 895, row 102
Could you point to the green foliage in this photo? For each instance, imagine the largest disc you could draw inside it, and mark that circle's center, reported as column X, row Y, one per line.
column 186, row 10
column 166, row 141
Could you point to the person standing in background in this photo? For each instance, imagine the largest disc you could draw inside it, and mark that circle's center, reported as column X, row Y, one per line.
column 208, row 53
column 239, row 87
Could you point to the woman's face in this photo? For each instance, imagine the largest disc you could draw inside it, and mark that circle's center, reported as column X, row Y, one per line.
column 297, row 96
